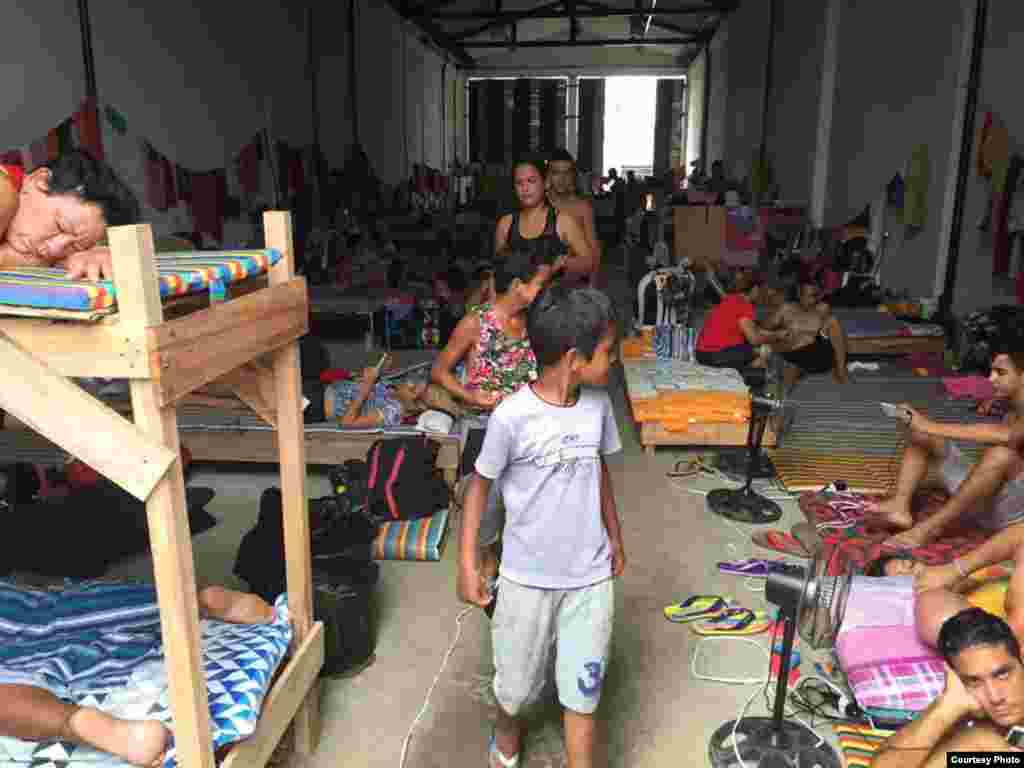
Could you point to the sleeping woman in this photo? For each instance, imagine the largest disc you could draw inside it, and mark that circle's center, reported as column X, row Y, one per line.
column 939, row 592
column 56, row 215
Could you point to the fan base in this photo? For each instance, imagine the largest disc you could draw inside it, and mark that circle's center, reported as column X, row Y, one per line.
column 761, row 745
column 743, row 506
column 735, row 464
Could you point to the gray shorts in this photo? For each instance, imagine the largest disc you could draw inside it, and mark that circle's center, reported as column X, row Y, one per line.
column 529, row 623
column 1006, row 508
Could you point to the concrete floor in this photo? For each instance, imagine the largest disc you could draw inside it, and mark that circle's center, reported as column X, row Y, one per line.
column 654, row 712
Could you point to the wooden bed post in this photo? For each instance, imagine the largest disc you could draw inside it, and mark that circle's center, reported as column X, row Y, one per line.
column 138, row 299
column 291, row 441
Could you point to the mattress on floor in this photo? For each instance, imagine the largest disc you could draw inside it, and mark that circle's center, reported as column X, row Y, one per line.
column 823, row 414
column 180, row 273
column 239, row 660
column 869, row 322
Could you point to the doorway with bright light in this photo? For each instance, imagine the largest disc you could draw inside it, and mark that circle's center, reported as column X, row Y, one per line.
column 630, row 105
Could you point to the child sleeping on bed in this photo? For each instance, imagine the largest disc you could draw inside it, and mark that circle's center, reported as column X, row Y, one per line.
column 370, row 403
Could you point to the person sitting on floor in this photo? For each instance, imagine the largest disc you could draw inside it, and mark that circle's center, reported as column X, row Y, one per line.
column 369, row 404
column 991, row 493
column 32, row 702
column 729, row 335
column 984, row 683
column 56, row 215
column 816, row 343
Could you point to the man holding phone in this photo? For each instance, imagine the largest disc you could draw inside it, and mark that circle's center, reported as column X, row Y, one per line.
column 982, row 706
column 989, row 494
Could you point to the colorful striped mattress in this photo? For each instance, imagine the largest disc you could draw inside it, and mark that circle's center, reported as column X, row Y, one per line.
column 181, row 273
column 421, row 539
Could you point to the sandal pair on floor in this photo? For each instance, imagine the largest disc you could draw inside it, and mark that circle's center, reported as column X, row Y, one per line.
column 713, row 615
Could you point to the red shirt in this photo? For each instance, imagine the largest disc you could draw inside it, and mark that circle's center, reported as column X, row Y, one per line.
column 722, row 325
column 15, row 173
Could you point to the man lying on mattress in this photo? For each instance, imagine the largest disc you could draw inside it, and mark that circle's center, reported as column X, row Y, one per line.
column 990, row 493
column 48, row 647
column 816, row 342
column 57, row 214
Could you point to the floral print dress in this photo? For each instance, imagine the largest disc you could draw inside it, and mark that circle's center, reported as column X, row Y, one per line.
column 502, row 364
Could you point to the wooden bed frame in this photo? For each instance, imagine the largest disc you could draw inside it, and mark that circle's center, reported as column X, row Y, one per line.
column 165, row 360
column 895, row 345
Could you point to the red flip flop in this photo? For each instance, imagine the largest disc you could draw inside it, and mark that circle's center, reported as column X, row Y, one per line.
column 780, row 541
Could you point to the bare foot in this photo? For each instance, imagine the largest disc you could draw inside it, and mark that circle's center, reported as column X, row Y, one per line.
column 913, row 538
column 235, row 607
column 139, row 742
column 893, row 512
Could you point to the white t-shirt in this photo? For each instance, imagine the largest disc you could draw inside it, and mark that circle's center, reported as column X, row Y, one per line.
column 546, row 460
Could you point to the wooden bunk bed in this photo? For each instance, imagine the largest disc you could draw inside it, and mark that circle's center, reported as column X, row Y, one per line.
column 165, row 359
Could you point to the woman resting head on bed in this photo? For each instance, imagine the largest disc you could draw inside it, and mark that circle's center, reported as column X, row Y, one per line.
column 57, row 215
column 369, row 403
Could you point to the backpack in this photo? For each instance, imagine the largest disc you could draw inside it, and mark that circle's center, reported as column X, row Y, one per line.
column 348, row 481
column 403, row 482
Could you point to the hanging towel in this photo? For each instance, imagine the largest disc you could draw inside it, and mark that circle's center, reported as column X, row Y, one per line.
column 1001, row 215
column 209, row 193
column 87, row 125
column 249, row 167
column 982, row 159
column 915, row 193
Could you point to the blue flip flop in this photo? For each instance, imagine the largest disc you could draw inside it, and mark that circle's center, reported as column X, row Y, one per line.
column 695, row 607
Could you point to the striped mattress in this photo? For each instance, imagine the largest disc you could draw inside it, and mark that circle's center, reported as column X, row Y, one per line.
column 181, row 273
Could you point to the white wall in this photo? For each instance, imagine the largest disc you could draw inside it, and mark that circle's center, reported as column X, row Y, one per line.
column 42, row 77
column 399, row 88
column 796, row 90
column 696, row 85
column 1000, row 94
column 718, row 99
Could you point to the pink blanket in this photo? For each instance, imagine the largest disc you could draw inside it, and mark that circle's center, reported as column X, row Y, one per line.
column 889, row 668
column 974, row 387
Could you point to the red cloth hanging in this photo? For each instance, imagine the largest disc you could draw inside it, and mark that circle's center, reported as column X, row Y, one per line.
column 209, row 195
column 87, row 123
column 249, row 167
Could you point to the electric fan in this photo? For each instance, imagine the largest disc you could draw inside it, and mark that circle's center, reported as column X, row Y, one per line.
column 813, row 602
column 744, row 504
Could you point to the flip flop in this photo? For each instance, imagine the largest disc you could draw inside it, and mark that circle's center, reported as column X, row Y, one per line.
column 695, row 607
column 753, row 567
column 780, row 541
column 734, row 622
column 807, row 535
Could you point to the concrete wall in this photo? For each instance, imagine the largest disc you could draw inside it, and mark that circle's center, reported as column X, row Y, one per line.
column 1000, row 94
column 796, row 90
column 718, row 99
column 399, row 88
column 696, row 85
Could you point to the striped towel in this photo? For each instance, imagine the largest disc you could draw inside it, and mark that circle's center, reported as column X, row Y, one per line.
column 860, row 742
column 180, row 273
column 421, row 539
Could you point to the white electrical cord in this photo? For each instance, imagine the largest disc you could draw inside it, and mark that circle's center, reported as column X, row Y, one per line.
column 426, row 701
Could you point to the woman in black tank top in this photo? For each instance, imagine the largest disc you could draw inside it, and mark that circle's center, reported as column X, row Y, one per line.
column 571, row 242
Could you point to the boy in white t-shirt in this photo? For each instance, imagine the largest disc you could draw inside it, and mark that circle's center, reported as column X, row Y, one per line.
column 545, row 447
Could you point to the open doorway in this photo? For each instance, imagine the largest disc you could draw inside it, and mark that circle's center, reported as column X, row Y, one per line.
column 629, row 116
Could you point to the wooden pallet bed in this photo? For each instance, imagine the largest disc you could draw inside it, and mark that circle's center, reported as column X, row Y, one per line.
column 166, row 359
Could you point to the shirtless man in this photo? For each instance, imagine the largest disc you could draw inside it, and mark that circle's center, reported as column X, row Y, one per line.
column 816, row 342
column 561, row 188
column 990, row 493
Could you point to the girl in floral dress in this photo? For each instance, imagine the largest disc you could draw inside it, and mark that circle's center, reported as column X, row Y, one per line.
column 491, row 343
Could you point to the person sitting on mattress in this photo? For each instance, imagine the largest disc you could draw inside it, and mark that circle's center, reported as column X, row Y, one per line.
column 816, row 342
column 989, row 494
column 56, row 215
column 981, row 709
column 369, row 403
column 36, row 672
column 729, row 335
